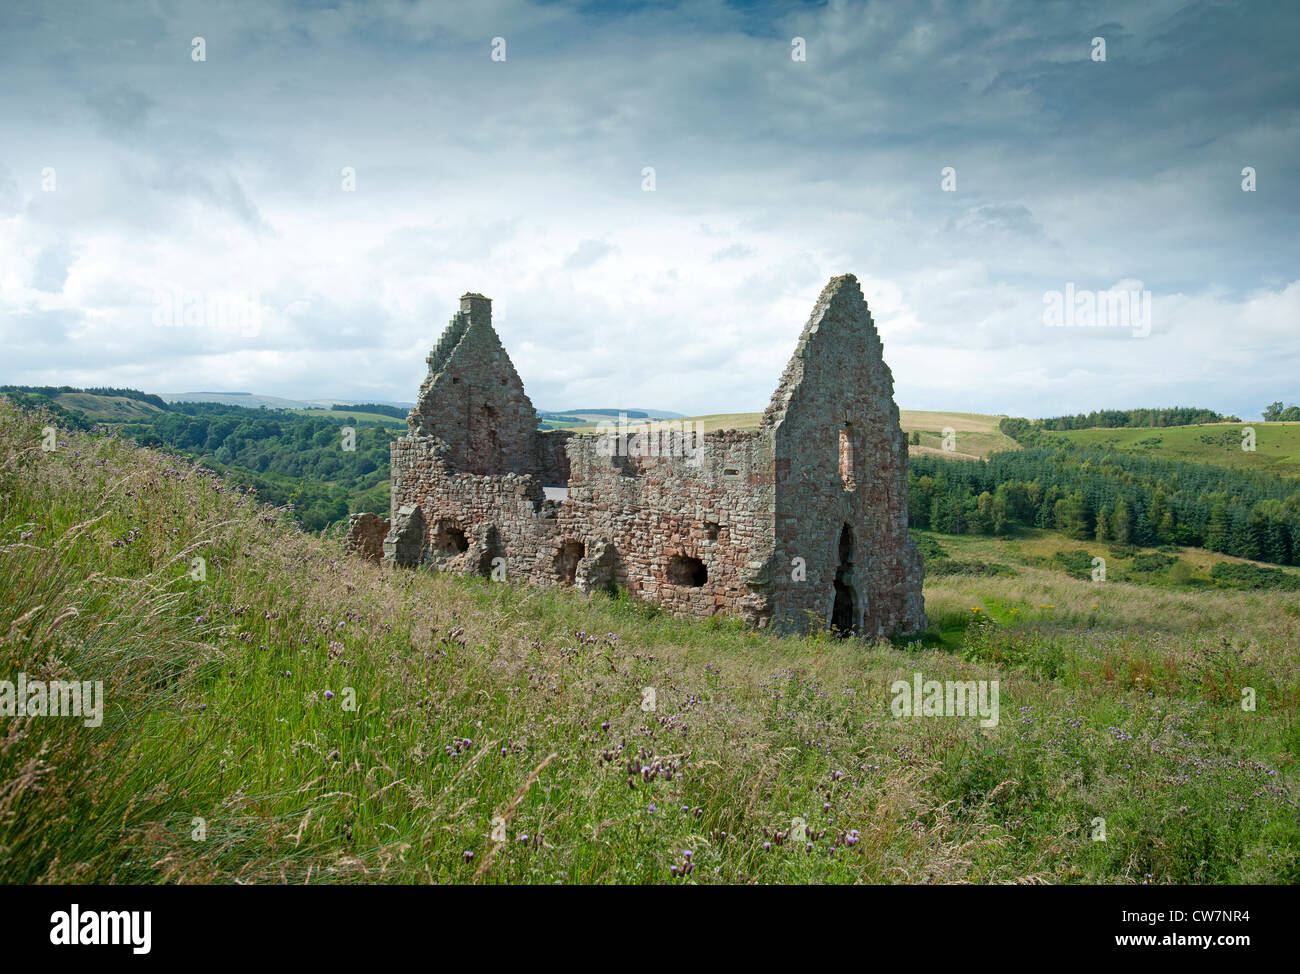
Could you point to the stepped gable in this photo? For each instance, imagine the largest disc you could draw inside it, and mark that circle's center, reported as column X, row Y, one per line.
column 473, row 399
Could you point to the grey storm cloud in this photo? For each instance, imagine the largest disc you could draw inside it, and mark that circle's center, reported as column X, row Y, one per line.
column 523, row 179
column 120, row 107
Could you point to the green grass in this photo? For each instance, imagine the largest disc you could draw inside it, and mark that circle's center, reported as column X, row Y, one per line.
column 1277, row 445
column 477, row 700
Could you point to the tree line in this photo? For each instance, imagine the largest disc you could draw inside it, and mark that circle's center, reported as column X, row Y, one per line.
column 289, row 458
column 1109, row 496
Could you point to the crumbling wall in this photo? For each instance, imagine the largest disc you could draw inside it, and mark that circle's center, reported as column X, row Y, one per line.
column 365, row 536
column 553, row 457
column 672, row 516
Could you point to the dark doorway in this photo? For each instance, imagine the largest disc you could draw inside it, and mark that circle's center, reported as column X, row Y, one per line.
column 844, row 612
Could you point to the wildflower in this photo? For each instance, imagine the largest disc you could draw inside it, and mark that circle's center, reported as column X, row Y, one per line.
column 468, row 855
column 334, row 755
column 329, row 694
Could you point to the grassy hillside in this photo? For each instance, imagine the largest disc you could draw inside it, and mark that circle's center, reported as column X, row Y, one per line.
column 228, row 752
column 108, row 409
column 1277, row 445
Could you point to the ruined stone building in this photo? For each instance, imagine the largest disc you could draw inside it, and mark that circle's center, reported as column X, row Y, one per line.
column 798, row 523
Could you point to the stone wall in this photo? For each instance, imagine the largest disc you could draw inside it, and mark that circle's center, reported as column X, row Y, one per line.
column 799, row 523
column 842, row 464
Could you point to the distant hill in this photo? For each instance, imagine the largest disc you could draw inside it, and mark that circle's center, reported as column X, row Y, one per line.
column 255, row 400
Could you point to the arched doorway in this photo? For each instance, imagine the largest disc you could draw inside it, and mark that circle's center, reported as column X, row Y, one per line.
column 844, row 611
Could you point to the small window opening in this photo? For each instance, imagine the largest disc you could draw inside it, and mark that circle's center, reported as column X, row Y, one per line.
column 449, row 540
column 684, row 570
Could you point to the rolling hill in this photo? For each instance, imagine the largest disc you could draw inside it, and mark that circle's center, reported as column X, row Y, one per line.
column 328, row 721
column 1277, row 445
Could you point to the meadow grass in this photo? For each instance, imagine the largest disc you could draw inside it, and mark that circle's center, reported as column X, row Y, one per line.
column 229, row 750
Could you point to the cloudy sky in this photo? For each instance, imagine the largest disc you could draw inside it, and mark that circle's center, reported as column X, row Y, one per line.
column 147, row 197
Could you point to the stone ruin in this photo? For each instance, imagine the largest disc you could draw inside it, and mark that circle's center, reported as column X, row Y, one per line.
column 798, row 524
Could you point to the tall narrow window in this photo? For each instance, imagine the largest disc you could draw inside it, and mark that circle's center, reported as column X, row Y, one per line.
column 846, row 459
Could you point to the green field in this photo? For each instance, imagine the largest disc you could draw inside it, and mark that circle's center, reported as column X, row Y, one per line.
column 1277, row 445
column 329, row 721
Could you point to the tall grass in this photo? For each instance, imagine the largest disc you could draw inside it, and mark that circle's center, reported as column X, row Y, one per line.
column 229, row 751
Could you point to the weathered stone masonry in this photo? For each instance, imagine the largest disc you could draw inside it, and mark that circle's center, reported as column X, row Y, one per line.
column 802, row 521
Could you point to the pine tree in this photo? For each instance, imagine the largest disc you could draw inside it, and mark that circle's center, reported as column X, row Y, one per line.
column 1103, row 523
column 1216, row 534
column 1120, row 522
